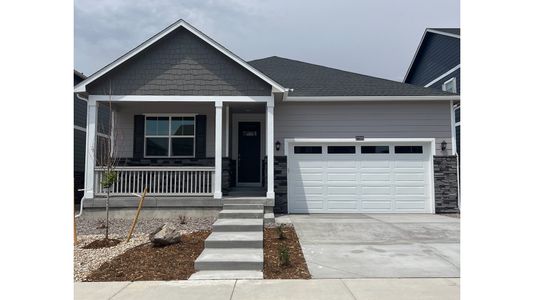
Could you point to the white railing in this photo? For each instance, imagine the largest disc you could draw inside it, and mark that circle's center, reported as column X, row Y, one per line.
column 163, row 181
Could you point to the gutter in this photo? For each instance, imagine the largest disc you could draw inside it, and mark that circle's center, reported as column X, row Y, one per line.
column 371, row 98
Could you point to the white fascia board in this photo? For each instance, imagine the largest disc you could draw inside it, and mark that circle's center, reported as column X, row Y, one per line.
column 291, row 141
column 442, row 76
column 421, row 43
column 79, row 88
column 443, row 33
column 149, row 98
column 372, row 98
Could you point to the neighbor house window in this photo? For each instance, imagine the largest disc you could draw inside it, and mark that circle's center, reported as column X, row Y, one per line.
column 169, row 136
column 450, row 85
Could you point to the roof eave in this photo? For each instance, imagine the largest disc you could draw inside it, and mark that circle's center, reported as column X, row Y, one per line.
column 372, row 98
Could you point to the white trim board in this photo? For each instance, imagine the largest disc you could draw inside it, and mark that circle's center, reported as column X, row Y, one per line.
column 442, row 76
column 150, row 98
column 81, row 87
column 371, row 98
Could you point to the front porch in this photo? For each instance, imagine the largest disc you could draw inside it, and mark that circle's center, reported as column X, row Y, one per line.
column 182, row 149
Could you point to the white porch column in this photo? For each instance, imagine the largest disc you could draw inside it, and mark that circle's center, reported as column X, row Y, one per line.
column 90, row 148
column 269, row 114
column 217, row 194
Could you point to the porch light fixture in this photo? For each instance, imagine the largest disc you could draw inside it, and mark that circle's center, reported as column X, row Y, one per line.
column 443, row 145
column 277, row 145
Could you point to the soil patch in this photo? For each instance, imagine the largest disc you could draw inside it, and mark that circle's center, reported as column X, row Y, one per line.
column 102, row 243
column 147, row 262
column 272, row 268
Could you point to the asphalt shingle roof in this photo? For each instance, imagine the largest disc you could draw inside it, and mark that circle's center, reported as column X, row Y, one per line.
column 313, row 80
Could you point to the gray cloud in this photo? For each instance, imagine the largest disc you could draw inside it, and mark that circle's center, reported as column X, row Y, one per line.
column 375, row 37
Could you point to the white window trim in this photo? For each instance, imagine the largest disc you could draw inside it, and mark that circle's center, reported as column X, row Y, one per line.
column 444, row 85
column 169, row 136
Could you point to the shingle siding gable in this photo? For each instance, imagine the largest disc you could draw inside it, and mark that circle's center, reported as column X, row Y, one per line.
column 437, row 55
column 180, row 64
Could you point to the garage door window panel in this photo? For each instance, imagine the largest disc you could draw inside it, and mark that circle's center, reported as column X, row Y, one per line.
column 408, row 149
column 308, row 149
column 375, row 149
column 341, row 149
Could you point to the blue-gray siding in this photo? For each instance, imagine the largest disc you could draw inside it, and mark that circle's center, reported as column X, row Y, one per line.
column 80, row 112
column 79, row 150
column 180, row 64
column 437, row 55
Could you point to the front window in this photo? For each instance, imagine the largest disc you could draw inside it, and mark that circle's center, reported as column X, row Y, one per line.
column 169, row 136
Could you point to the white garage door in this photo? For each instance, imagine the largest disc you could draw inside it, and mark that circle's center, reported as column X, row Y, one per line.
column 361, row 178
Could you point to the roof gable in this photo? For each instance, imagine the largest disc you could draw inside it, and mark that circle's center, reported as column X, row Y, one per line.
column 182, row 28
column 310, row 80
column 450, row 32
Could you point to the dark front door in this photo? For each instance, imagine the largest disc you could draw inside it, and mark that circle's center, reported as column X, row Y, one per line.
column 249, row 162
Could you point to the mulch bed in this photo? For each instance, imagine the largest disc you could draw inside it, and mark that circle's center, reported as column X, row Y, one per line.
column 272, row 269
column 103, row 243
column 147, row 262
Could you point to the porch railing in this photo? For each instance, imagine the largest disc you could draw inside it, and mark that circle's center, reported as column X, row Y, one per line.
column 163, row 181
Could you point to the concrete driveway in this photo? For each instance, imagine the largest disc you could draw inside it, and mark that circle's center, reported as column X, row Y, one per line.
column 379, row 245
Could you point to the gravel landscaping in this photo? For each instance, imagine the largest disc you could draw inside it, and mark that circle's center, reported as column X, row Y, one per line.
column 272, row 244
column 89, row 230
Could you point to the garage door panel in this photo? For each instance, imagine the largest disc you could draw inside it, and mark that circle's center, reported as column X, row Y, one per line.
column 410, row 205
column 356, row 182
column 410, row 190
column 416, row 177
column 376, row 190
column 384, row 205
column 375, row 176
column 341, row 190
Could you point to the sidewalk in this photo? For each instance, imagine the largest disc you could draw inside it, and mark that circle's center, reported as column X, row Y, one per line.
column 339, row 289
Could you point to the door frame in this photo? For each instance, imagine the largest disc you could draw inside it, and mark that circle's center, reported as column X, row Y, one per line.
column 429, row 143
column 244, row 117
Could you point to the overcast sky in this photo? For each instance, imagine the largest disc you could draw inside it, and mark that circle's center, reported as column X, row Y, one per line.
column 373, row 37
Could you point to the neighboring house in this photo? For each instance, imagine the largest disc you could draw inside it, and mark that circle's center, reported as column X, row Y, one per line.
column 436, row 64
column 80, row 124
column 198, row 123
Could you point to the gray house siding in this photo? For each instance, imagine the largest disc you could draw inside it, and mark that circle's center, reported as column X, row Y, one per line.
column 180, row 64
column 80, row 112
column 370, row 119
column 437, row 55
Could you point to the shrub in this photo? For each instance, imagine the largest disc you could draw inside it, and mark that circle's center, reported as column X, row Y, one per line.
column 283, row 255
column 280, row 231
column 182, row 219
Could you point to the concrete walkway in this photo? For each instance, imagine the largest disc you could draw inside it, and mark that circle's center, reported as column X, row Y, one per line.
column 339, row 289
column 379, row 245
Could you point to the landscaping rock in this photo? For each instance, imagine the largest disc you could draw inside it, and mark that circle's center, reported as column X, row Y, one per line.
column 165, row 235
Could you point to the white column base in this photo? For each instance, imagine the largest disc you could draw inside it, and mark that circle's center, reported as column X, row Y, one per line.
column 270, row 195
column 217, row 195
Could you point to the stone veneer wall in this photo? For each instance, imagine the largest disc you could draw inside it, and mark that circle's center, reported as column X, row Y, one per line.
column 446, row 184
column 280, row 184
column 184, row 162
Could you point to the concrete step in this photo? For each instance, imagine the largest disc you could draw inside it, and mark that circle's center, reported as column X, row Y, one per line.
column 242, row 206
column 244, row 200
column 230, row 259
column 253, row 239
column 208, row 275
column 268, row 219
column 241, row 214
column 233, row 225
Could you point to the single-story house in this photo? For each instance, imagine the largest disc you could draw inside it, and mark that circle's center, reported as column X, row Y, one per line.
column 195, row 124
